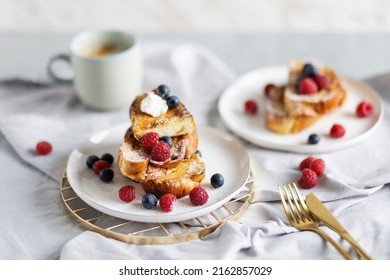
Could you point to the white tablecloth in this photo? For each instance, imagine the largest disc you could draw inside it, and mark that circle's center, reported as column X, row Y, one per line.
column 35, row 225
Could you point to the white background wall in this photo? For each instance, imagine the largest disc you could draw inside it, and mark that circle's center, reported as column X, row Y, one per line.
column 196, row 15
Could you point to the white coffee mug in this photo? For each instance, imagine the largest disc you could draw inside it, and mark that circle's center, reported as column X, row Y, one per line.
column 107, row 68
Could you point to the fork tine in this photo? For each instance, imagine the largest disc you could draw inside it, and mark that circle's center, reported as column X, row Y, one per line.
column 289, row 215
column 303, row 203
column 300, row 211
column 293, row 209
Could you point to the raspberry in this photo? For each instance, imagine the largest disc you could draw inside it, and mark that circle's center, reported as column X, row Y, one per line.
column 127, row 193
column 161, row 151
column 148, row 141
column 268, row 89
column 337, row 131
column 309, row 179
column 167, row 201
column 198, row 196
column 99, row 165
column 322, row 81
column 43, row 148
column 318, row 166
column 364, row 109
column 250, row 107
column 308, row 86
column 306, row 163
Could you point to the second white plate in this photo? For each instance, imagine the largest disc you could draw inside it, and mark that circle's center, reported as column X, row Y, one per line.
column 252, row 129
column 220, row 152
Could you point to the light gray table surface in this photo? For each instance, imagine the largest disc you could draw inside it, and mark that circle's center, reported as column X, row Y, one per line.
column 354, row 55
column 25, row 55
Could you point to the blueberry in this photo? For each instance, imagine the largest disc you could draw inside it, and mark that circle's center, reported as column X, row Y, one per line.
column 173, row 101
column 163, row 91
column 91, row 160
column 149, row 201
column 198, row 152
column 107, row 157
column 313, row 139
column 106, row 175
column 167, row 140
column 309, row 70
column 217, row 180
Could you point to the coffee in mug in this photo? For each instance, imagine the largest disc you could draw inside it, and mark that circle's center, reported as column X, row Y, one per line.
column 107, row 68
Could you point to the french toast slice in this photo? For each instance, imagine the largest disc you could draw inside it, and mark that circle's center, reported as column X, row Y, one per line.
column 289, row 111
column 321, row 102
column 178, row 181
column 278, row 120
column 175, row 122
column 137, row 165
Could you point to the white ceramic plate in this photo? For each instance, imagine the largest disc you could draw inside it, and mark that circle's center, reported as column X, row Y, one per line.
column 220, row 152
column 252, row 129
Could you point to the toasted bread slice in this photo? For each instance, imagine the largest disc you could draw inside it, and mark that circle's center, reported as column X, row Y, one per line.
column 175, row 122
column 280, row 121
column 322, row 102
column 178, row 181
column 137, row 165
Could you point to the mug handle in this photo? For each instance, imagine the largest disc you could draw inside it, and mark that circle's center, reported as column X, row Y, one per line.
column 52, row 74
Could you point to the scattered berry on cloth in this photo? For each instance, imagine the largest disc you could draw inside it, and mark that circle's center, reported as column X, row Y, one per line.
column 43, row 148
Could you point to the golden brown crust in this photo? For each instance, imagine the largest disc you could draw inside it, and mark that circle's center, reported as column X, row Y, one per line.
column 175, row 122
column 177, row 181
column 286, row 124
column 136, row 164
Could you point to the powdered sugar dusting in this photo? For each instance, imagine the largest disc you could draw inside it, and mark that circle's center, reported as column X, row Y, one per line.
column 133, row 155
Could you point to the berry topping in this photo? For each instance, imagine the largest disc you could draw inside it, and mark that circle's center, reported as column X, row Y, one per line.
column 306, row 163
column 322, row 81
column 198, row 196
column 250, row 107
column 107, row 157
column 309, row 70
column 217, row 180
column 161, row 151
column 307, row 86
column 163, row 91
column 99, row 165
column 313, row 139
column 148, row 141
column 43, row 148
column 318, row 166
column 337, row 131
column 127, row 193
column 167, row 140
column 173, row 102
column 91, row 160
column 106, row 175
column 268, row 89
column 167, row 201
column 198, row 152
column 364, row 109
column 149, row 201
column 309, row 179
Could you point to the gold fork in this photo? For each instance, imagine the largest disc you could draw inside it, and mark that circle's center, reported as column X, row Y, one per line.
column 300, row 217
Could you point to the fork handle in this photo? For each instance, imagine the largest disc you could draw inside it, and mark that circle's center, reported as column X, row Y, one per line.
column 334, row 243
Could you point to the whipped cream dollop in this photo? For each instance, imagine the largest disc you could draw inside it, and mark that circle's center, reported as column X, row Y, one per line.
column 153, row 105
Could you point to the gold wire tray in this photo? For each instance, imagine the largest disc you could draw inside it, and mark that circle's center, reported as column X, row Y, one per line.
column 153, row 233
